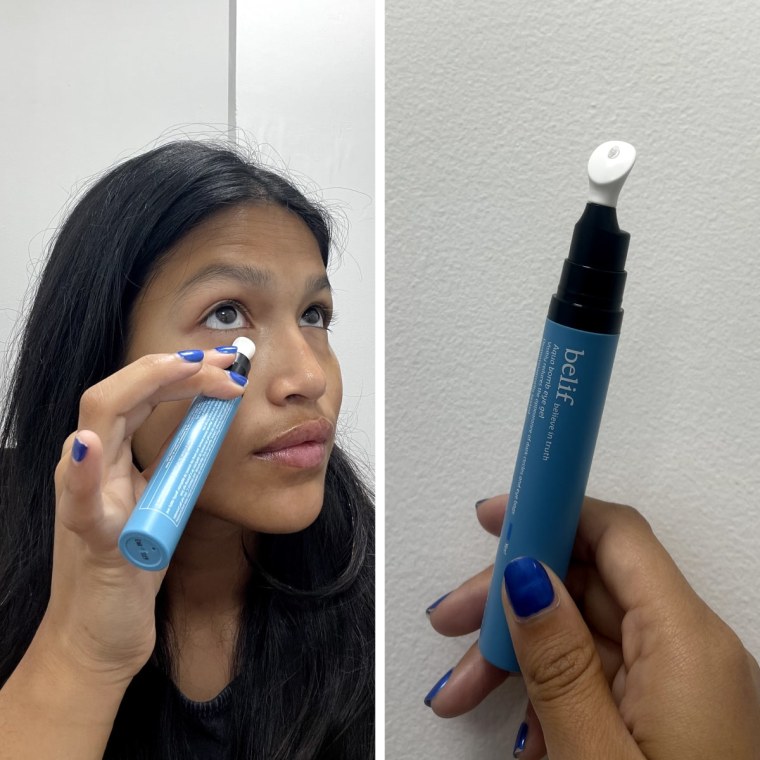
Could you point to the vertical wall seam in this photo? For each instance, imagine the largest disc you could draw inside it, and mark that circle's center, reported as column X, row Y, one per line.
column 232, row 73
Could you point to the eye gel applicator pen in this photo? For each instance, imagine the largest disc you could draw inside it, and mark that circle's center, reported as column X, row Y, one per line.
column 567, row 398
column 154, row 528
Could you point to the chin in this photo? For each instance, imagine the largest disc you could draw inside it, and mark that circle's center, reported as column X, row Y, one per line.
column 293, row 515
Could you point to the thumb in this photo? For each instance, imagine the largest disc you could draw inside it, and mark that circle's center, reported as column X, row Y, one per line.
column 562, row 670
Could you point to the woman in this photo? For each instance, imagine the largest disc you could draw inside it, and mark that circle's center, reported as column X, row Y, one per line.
column 257, row 640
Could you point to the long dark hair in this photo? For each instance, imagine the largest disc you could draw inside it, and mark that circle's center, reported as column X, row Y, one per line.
column 304, row 654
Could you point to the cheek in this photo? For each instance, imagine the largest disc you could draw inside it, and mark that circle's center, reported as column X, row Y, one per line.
column 260, row 503
column 334, row 382
column 149, row 438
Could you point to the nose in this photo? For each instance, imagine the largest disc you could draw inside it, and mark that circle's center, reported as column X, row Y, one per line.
column 293, row 369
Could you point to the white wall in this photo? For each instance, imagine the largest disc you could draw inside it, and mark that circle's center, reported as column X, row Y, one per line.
column 305, row 95
column 493, row 109
column 86, row 84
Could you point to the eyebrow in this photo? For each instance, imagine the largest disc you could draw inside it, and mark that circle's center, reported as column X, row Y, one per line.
column 317, row 283
column 249, row 275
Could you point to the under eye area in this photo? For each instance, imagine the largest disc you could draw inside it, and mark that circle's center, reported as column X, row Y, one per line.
column 228, row 315
column 317, row 315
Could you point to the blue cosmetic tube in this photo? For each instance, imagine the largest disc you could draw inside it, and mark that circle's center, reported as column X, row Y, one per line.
column 154, row 528
column 567, row 397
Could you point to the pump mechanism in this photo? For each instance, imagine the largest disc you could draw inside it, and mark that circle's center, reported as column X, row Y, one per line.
column 608, row 168
column 590, row 292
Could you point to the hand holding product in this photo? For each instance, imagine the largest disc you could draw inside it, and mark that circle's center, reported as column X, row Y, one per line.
column 99, row 628
column 101, row 613
column 567, row 398
column 155, row 526
column 686, row 688
column 674, row 681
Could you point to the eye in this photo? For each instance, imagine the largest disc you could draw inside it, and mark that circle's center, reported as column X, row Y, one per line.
column 316, row 316
column 225, row 316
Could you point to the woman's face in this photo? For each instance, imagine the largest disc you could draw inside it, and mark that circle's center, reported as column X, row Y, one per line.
column 252, row 271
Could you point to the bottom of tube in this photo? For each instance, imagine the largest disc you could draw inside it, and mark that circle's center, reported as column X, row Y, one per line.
column 143, row 552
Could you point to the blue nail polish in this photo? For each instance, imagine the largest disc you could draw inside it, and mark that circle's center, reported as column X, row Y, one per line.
column 79, row 450
column 226, row 349
column 522, row 735
column 528, row 586
column 431, row 694
column 191, row 356
column 239, row 379
column 435, row 604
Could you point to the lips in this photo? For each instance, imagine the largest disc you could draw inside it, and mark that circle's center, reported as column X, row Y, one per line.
column 304, row 445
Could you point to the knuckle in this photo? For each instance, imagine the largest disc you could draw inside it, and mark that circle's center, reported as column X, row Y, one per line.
column 731, row 651
column 76, row 522
column 636, row 518
column 564, row 664
column 152, row 361
column 630, row 517
column 93, row 400
column 624, row 515
column 626, row 534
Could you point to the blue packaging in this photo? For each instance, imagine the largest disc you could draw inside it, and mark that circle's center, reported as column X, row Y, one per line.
column 568, row 394
column 153, row 530
column 157, row 522
column 553, row 464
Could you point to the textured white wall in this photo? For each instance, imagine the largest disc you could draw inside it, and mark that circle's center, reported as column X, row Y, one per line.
column 305, row 95
column 493, row 109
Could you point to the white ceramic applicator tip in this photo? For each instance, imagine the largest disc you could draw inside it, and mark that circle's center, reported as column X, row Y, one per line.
column 608, row 167
column 245, row 346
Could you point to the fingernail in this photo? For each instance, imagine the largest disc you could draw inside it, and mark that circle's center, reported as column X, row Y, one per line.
column 528, row 586
column 226, row 349
column 435, row 604
column 79, row 450
column 522, row 735
column 191, row 356
column 478, row 503
column 239, row 379
column 431, row 694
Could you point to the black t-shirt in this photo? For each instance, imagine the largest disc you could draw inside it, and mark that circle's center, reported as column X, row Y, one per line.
column 208, row 724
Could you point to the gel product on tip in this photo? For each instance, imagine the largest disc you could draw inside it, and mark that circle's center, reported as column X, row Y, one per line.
column 154, row 528
column 567, row 398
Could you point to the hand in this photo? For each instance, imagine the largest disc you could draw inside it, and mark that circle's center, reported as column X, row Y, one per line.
column 101, row 612
column 651, row 673
column 461, row 612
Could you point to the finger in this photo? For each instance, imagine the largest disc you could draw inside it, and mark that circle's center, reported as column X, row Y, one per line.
column 529, row 741
column 146, row 473
column 490, row 513
column 115, row 407
column 531, row 736
column 610, row 655
column 630, row 559
column 79, row 506
column 599, row 609
column 561, row 667
column 465, row 686
column 461, row 611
